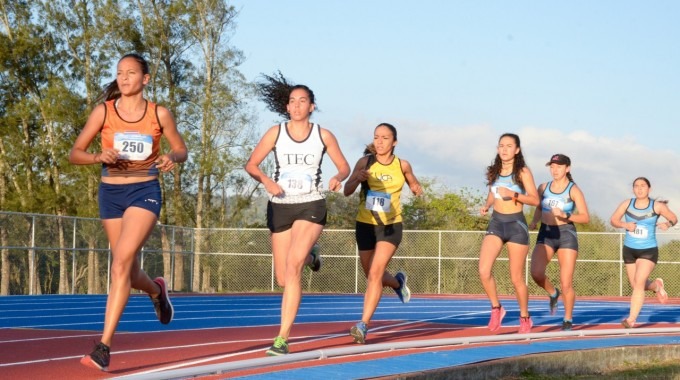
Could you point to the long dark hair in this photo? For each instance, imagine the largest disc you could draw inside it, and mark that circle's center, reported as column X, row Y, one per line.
column 111, row 91
column 275, row 92
column 493, row 171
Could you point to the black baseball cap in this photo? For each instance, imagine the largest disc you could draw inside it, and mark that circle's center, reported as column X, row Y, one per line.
column 559, row 159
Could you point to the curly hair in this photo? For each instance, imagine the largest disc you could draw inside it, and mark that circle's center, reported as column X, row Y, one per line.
column 275, row 92
column 493, row 171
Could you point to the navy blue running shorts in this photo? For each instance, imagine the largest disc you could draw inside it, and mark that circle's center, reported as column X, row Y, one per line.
column 115, row 199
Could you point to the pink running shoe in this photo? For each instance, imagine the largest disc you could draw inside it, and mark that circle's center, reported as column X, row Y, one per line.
column 525, row 325
column 660, row 291
column 497, row 315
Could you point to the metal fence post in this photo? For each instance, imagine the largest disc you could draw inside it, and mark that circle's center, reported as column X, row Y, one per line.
column 621, row 266
column 439, row 265
column 73, row 259
column 172, row 259
column 356, row 269
column 31, row 269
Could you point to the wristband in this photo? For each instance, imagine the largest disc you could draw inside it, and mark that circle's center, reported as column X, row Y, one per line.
column 672, row 223
column 514, row 196
column 568, row 216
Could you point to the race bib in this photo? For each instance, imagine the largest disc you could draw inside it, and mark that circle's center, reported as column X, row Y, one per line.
column 494, row 190
column 554, row 203
column 377, row 201
column 133, row 146
column 640, row 232
column 296, row 183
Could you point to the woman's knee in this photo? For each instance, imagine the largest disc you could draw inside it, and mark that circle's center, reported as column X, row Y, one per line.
column 485, row 274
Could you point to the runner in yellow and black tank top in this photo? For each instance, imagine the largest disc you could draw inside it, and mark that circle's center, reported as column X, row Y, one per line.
column 378, row 229
column 381, row 200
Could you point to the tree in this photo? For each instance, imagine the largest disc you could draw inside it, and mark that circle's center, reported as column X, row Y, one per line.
column 218, row 112
column 439, row 209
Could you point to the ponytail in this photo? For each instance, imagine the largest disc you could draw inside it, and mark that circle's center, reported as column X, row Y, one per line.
column 111, row 91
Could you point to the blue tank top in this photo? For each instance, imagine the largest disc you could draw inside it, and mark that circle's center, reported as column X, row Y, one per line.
column 561, row 201
column 644, row 235
column 507, row 182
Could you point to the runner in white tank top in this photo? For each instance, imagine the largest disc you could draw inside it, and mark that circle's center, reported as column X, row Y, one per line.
column 296, row 212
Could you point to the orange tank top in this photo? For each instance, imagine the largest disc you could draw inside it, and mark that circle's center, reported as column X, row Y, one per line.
column 137, row 142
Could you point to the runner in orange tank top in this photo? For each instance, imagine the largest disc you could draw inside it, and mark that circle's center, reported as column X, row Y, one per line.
column 129, row 193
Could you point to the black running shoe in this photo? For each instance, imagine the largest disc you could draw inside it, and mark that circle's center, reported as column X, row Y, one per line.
column 162, row 304
column 99, row 358
column 567, row 325
column 553, row 302
column 315, row 265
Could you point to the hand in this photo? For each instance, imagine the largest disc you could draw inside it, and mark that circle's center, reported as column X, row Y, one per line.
column 108, row 156
column 532, row 226
column 363, row 175
column 334, row 184
column 664, row 225
column 273, row 188
column 630, row 226
column 416, row 189
column 165, row 163
column 505, row 193
column 483, row 210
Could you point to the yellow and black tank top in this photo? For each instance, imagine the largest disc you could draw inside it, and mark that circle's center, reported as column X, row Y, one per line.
column 381, row 199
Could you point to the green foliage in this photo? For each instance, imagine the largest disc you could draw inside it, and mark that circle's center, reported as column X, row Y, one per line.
column 439, row 209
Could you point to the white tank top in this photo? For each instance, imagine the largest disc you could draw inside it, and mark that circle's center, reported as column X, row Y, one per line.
column 298, row 166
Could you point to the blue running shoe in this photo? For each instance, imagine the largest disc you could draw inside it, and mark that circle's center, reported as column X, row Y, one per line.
column 553, row 302
column 359, row 332
column 403, row 291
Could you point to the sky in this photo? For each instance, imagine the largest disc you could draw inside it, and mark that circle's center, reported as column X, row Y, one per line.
column 598, row 81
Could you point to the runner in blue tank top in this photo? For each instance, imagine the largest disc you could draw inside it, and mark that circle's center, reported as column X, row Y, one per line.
column 639, row 217
column 562, row 205
column 511, row 186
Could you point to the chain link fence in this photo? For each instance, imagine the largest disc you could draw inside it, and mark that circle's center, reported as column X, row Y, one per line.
column 47, row 254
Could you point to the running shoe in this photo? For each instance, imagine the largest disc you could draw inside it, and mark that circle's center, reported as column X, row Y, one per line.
column 315, row 265
column 280, row 347
column 627, row 324
column 661, row 291
column 359, row 332
column 497, row 315
column 403, row 291
column 567, row 325
column 162, row 304
column 99, row 358
column 553, row 302
column 525, row 325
